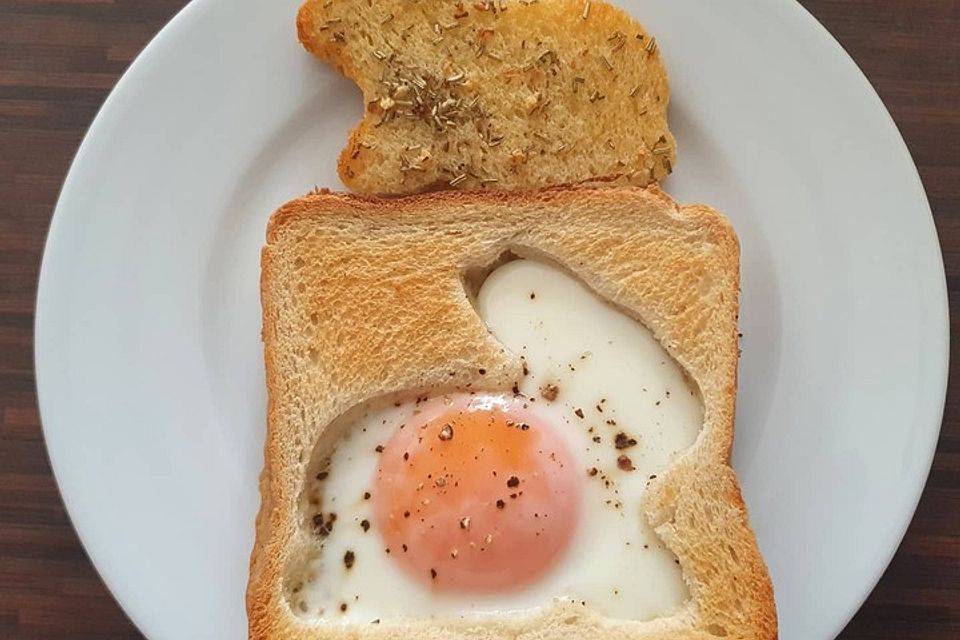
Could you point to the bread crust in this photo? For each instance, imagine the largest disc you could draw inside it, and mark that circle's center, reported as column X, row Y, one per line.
column 363, row 297
column 495, row 95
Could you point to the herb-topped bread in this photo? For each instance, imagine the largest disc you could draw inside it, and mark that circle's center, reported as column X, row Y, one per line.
column 499, row 94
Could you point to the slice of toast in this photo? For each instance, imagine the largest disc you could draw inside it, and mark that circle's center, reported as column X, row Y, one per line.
column 365, row 297
column 496, row 94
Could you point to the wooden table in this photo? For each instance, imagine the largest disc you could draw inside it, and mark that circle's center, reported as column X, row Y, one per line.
column 58, row 61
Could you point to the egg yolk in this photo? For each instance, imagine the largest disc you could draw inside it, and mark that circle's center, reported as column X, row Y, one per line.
column 476, row 495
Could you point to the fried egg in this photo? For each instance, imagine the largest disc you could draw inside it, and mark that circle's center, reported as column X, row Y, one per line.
column 459, row 504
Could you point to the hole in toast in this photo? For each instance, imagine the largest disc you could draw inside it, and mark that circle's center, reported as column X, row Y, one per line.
column 330, row 531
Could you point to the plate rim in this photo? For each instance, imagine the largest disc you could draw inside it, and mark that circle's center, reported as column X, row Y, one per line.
column 942, row 294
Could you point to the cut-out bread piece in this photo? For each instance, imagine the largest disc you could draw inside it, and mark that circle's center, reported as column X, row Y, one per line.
column 365, row 297
column 495, row 95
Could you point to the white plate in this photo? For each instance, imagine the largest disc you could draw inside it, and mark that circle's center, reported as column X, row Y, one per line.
column 147, row 346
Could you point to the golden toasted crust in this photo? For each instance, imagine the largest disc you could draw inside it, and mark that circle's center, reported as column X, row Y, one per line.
column 499, row 94
column 363, row 297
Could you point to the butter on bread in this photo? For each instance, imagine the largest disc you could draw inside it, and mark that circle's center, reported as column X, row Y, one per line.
column 497, row 95
column 364, row 297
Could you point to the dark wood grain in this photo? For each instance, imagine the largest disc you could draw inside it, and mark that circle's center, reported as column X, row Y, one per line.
column 59, row 59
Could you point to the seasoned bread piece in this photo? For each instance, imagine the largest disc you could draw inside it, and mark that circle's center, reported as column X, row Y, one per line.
column 498, row 94
column 365, row 297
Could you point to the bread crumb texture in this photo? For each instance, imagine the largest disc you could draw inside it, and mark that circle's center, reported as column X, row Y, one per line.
column 365, row 297
column 495, row 95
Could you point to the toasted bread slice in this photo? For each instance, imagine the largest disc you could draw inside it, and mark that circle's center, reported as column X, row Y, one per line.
column 365, row 297
column 495, row 95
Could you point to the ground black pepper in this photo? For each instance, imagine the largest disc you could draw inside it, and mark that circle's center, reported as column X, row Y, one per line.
column 623, row 441
column 550, row 392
